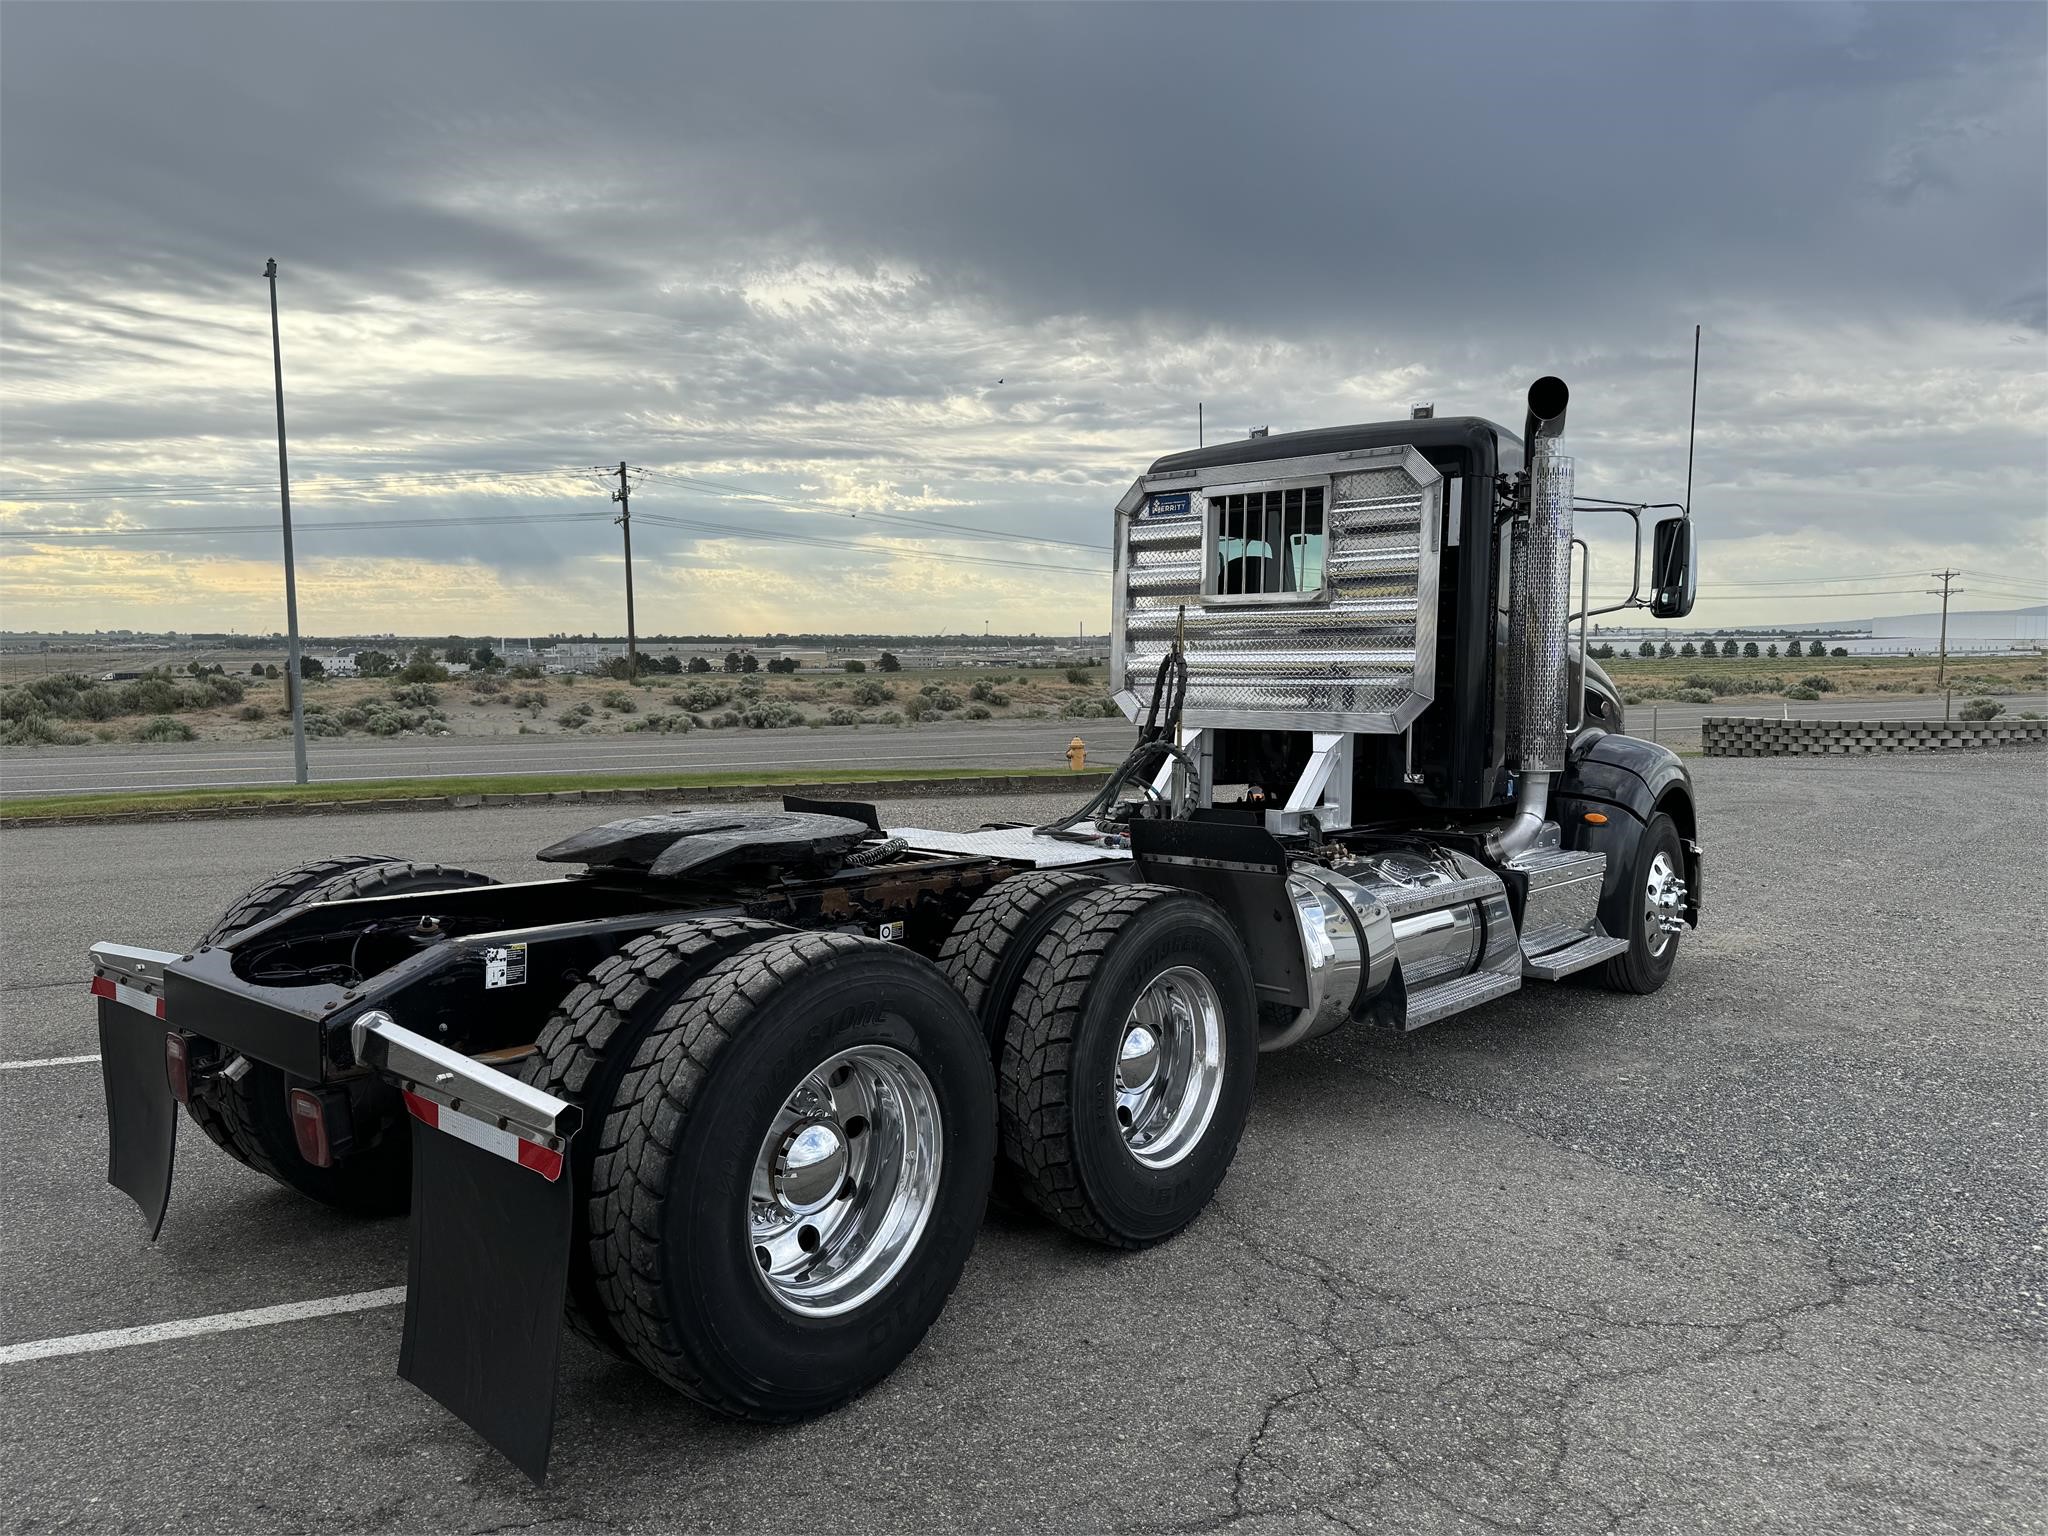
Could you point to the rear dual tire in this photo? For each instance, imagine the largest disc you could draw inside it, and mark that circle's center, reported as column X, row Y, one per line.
column 1128, row 1063
column 791, row 1174
column 248, row 1114
column 586, row 1048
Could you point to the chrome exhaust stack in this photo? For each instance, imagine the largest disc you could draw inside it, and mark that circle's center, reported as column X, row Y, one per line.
column 1540, row 596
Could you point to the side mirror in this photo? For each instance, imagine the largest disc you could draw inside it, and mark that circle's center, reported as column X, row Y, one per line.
column 1674, row 569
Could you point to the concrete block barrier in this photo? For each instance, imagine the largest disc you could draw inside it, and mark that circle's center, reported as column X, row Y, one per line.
column 1733, row 736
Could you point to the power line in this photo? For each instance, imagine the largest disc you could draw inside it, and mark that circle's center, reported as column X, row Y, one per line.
column 1775, row 597
column 729, row 530
column 203, row 489
column 482, row 519
column 1794, row 581
column 2031, row 597
column 693, row 482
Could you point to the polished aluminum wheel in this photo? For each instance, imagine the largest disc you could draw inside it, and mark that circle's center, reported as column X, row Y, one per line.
column 1663, row 903
column 845, row 1180
column 1169, row 1070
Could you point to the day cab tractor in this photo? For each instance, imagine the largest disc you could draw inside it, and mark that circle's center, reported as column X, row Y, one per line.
column 730, row 1091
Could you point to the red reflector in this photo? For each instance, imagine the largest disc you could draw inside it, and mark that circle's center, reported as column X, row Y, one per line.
column 309, row 1126
column 177, row 1068
column 542, row 1160
column 494, row 1139
column 103, row 986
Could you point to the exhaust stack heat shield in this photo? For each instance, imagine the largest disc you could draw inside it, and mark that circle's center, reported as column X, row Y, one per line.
column 1540, row 573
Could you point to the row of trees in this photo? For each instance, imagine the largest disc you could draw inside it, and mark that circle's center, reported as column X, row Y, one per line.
column 422, row 667
column 748, row 662
column 1651, row 648
column 738, row 662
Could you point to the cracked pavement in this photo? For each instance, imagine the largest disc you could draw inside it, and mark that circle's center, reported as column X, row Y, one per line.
column 1763, row 1252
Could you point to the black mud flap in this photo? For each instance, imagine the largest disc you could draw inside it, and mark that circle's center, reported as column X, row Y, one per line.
column 485, row 1291
column 1243, row 869
column 142, row 1117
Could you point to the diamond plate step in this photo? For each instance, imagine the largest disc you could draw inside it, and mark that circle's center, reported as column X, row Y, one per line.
column 1573, row 957
column 1458, row 994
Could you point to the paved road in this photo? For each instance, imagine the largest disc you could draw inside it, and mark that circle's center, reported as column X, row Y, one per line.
column 1759, row 1253
column 978, row 744
column 957, row 744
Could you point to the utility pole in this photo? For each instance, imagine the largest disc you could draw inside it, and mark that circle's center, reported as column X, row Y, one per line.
column 294, row 683
column 623, row 496
column 1199, row 434
column 1944, row 577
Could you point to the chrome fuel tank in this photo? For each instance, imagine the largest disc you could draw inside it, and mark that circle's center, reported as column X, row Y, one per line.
column 1433, row 913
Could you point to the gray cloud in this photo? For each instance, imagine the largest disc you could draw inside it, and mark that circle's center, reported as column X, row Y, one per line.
column 795, row 246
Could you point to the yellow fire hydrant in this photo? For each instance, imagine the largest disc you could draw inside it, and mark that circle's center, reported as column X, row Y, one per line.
column 1077, row 754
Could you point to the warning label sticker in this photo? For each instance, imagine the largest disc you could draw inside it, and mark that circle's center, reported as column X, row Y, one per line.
column 505, row 967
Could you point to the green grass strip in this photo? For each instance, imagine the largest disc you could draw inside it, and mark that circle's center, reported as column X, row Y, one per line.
column 185, row 800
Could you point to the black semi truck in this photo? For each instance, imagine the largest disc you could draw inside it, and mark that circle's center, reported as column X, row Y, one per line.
column 728, row 1093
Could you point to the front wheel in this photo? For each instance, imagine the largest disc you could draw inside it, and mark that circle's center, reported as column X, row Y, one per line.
column 1656, row 911
column 793, row 1173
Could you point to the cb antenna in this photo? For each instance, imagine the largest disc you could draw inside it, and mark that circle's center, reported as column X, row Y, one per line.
column 1692, row 426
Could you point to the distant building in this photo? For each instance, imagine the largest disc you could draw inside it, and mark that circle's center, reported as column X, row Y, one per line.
column 1980, row 633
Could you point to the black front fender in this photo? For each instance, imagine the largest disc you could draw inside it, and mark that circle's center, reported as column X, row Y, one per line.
column 1626, row 780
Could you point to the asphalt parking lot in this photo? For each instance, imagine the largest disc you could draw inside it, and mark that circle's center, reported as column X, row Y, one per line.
column 1764, row 1252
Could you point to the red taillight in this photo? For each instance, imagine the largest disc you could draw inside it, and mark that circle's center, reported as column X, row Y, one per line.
column 178, row 1067
column 309, row 1125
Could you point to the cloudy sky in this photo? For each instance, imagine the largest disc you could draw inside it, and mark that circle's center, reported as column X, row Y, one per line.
column 893, row 302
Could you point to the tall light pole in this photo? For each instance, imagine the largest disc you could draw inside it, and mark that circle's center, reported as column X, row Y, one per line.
column 294, row 684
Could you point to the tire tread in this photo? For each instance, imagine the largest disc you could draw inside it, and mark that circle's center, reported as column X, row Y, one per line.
column 601, row 1020
column 973, row 954
column 630, row 1183
column 1032, row 1084
column 1631, row 971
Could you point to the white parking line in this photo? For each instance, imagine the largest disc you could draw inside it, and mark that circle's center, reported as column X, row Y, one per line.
column 48, row 1061
column 189, row 1327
